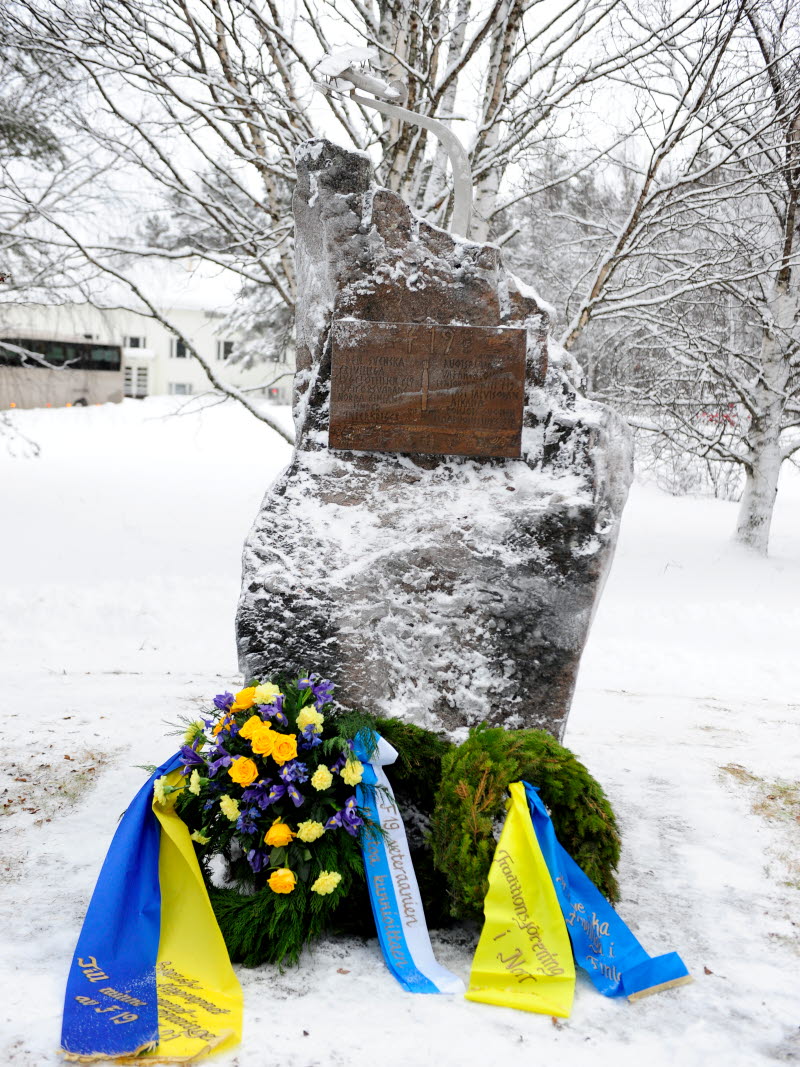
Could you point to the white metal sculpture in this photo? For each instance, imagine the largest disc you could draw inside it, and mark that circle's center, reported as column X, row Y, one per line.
column 341, row 69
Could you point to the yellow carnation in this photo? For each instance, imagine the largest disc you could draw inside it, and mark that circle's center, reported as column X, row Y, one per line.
column 243, row 771
column 198, row 837
column 326, row 883
column 322, row 778
column 245, row 699
column 352, row 772
column 278, row 834
column 310, row 830
column 159, row 791
column 265, row 693
column 229, row 807
column 309, row 717
column 251, row 726
column 263, row 740
column 285, row 747
column 282, row 881
column 192, row 731
column 194, row 782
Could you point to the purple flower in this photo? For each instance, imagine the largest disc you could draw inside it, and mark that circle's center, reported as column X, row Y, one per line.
column 351, row 820
column 223, row 701
column 257, row 794
column 335, row 820
column 276, row 791
column 246, row 821
column 322, row 689
column 309, row 738
column 258, row 858
column 294, row 771
column 274, row 711
column 223, row 760
column 295, row 795
column 340, row 762
column 189, row 758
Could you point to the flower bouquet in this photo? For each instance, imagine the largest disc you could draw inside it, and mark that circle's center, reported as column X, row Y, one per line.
column 268, row 793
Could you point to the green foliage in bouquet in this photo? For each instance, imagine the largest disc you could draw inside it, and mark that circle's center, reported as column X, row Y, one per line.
column 470, row 805
column 269, row 788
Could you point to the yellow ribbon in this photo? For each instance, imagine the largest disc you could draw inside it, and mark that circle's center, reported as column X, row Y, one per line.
column 199, row 996
column 524, row 956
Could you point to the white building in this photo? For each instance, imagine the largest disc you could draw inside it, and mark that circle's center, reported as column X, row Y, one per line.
column 191, row 294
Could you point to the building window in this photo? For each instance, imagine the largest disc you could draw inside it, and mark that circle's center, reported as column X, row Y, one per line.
column 224, row 349
column 179, row 349
column 180, row 388
column 136, row 381
column 135, row 342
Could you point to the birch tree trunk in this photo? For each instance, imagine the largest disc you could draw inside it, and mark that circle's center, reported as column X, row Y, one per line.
column 764, row 439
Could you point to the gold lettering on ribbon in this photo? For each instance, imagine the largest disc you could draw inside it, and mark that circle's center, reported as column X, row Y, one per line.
column 547, row 961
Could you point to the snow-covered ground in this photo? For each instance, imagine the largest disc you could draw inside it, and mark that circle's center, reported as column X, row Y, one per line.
column 120, row 560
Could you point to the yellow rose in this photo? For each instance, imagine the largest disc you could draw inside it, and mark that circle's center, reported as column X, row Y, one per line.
column 198, row 837
column 229, row 807
column 243, row 771
column 321, row 778
column 352, row 772
column 245, row 699
column 326, row 883
column 309, row 717
column 263, row 740
column 310, row 830
column 194, row 782
column 282, row 880
column 266, row 693
column 251, row 726
column 278, row 834
column 285, row 747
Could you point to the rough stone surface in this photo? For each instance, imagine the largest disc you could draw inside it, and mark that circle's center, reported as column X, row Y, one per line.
column 444, row 590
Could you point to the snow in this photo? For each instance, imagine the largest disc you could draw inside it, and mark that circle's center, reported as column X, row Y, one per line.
column 333, row 63
column 120, row 575
column 528, row 291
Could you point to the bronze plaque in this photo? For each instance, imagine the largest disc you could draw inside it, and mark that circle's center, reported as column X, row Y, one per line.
column 437, row 390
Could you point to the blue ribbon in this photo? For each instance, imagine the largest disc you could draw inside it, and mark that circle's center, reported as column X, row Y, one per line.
column 603, row 945
column 402, row 933
column 118, row 944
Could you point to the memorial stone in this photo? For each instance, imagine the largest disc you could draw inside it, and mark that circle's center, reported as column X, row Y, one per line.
column 439, row 539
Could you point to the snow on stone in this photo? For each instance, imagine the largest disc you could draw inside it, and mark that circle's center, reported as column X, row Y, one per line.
column 528, row 291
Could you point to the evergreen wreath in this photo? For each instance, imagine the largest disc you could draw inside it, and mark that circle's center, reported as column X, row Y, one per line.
column 268, row 794
column 470, row 807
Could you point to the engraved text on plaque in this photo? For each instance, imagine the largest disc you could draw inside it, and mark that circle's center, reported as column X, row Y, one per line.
column 440, row 390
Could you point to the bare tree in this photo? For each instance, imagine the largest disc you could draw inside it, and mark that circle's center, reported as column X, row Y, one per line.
column 680, row 293
column 205, row 103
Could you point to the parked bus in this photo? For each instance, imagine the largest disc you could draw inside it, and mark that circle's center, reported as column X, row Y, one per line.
column 40, row 372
